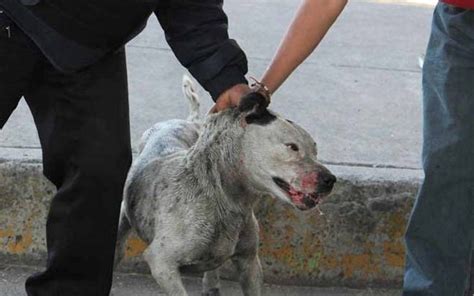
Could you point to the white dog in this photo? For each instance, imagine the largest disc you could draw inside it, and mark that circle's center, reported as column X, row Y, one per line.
column 190, row 192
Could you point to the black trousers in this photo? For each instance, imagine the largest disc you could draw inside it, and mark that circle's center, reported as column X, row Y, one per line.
column 83, row 124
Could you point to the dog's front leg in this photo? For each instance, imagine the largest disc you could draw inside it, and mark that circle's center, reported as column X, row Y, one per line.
column 251, row 275
column 211, row 283
column 246, row 259
column 164, row 270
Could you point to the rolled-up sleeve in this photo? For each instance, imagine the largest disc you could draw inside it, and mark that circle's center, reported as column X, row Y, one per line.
column 197, row 32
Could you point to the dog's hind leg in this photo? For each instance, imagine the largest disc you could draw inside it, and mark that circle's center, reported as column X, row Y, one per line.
column 164, row 270
column 122, row 235
column 211, row 283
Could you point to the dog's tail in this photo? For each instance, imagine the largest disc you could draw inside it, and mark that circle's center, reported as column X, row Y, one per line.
column 193, row 98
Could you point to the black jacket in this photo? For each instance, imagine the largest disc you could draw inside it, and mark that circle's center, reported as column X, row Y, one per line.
column 76, row 34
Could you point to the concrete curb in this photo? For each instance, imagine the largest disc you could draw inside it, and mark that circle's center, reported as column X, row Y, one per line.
column 358, row 242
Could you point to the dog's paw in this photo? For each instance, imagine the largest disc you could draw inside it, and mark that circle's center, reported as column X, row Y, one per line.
column 212, row 292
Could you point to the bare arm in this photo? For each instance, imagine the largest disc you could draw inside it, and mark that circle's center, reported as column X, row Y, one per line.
column 311, row 23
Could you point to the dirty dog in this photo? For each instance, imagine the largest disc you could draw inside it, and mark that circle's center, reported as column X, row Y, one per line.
column 190, row 193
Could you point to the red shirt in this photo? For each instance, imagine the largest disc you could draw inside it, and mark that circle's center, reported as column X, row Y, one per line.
column 469, row 4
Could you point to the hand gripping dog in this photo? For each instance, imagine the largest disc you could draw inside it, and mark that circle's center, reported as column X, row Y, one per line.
column 190, row 193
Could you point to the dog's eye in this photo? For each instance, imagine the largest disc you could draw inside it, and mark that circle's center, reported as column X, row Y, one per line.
column 293, row 146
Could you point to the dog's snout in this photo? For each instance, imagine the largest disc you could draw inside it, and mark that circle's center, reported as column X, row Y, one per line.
column 328, row 180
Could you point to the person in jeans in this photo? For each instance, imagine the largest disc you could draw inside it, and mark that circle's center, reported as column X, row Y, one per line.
column 440, row 231
column 67, row 59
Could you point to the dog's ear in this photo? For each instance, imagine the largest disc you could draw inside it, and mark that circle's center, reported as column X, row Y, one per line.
column 254, row 107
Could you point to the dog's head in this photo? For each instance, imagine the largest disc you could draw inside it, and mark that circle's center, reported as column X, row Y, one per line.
column 280, row 157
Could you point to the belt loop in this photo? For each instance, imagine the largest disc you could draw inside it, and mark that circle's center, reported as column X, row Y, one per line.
column 7, row 28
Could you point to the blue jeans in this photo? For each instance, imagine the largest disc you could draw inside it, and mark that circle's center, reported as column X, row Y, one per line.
column 440, row 231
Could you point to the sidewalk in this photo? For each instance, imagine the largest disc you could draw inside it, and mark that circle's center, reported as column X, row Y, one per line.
column 12, row 279
column 358, row 95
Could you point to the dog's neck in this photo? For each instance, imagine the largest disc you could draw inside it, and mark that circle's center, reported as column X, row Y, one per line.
column 216, row 161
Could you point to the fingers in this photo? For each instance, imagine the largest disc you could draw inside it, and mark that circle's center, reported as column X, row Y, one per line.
column 221, row 104
column 213, row 110
column 230, row 98
column 250, row 100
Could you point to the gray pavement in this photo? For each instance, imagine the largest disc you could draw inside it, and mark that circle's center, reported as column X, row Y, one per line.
column 358, row 95
column 12, row 280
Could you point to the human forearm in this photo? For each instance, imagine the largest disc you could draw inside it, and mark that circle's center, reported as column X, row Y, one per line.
column 311, row 23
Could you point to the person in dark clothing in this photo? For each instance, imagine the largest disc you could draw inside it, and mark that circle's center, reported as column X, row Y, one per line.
column 67, row 59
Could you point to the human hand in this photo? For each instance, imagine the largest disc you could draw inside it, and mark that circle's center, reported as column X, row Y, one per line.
column 230, row 98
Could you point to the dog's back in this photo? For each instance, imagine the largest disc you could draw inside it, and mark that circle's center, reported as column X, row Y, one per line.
column 174, row 135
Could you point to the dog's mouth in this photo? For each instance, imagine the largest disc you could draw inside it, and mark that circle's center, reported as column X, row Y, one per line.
column 303, row 201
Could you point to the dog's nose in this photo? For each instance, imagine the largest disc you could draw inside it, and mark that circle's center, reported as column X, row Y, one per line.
column 328, row 180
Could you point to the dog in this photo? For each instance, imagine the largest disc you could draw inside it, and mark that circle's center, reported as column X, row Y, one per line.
column 190, row 192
